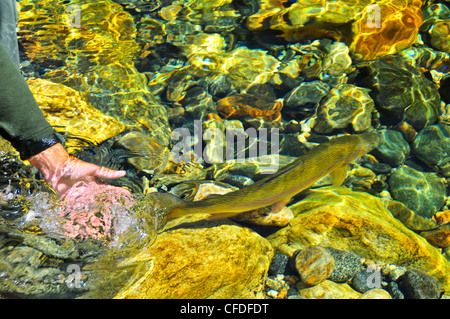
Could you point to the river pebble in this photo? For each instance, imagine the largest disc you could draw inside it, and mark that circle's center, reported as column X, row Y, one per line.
column 393, row 272
column 347, row 264
column 417, row 285
column 279, row 264
column 432, row 147
column 304, row 98
column 314, row 264
column 376, row 294
column 393, row 148
column 439, row 237
column 403, row 93
column 367, row 279
column 345, row 105
column 279, row 287
column 395, row 291
column 423, row 193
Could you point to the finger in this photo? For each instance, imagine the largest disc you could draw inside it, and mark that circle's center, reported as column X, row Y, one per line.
column 107, row 173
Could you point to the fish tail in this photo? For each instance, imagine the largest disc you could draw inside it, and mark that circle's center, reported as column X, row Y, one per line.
column 174, row 206
column 186, row 212
column 175, row 212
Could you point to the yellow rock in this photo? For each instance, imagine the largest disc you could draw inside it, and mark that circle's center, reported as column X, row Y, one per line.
column 203, row 43
column 205, row 4
column 359, row 222
column 376, row 294
column 170, row 12
column 225, row 261
column 91, row 46
column 370, row 28
column 386, row 28
column 266, row 217
column 67, row 111
column 6, row 147
column 328, row 290
column 83, row 33
column 242, row 67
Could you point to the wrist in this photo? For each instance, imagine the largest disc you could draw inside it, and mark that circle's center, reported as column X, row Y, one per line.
column 49, row 161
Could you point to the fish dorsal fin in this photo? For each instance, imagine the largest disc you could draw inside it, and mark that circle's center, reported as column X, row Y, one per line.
column 338, row 175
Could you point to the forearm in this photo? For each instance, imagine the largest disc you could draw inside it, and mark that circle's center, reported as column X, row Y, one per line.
column 21, row 120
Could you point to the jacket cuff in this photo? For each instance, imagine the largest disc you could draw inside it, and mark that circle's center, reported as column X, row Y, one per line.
column 32, row 146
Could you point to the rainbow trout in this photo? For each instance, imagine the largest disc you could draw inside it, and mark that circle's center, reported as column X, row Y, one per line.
column 277, row 190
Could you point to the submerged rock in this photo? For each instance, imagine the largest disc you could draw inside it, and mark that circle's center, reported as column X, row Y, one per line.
column 423, row 193
column 393, row 148
column 345, row 105
column 306, row 63
column 328, row 290
column 369, row 30
column 358, row 222
column 129, row 99
column 336, row 63
column 347, row 264
column 234, row 263
column 93, row 52
column 70, row 113
column 149, row 155
column 241, row 68
column 440, row 35
column 279, row 265
column 402, row 92
column 314, row 264
column 409, row 218
column 247, row 105
column 417, row 285
column 437, row 25
column 376, row 294
column 304, row 98
column 362, row 281
column 427, row 59
column 386, row 28
column 439, row 237
column 432, row 146
column 198, row 103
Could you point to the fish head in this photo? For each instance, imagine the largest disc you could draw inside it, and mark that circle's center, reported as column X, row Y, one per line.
column 358, row 145
column 369, row 141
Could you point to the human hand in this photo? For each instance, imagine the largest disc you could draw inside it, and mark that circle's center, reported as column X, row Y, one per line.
column 62, row 171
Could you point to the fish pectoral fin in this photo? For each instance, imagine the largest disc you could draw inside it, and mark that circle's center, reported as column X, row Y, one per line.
column 276, row 207
column 338, row 175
